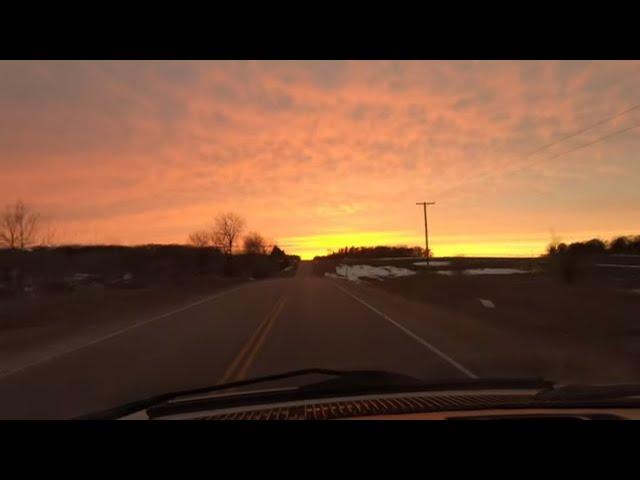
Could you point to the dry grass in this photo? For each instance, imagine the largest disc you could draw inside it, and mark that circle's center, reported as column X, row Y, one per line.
column 94, row 304
column 595, row 304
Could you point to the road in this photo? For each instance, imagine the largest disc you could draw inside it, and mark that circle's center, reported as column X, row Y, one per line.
column 272, row 326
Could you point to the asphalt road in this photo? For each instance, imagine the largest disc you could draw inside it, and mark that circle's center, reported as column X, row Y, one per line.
column 273, row 326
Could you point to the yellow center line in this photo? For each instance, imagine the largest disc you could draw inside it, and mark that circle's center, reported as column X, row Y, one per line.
column 249, row 351
column 258, row 345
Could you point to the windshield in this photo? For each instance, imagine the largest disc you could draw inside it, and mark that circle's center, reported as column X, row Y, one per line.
column 171, row 225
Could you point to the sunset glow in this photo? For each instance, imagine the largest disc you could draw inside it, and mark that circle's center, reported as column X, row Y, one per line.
column 322, row 155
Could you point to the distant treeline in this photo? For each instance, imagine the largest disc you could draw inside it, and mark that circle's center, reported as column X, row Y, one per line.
column 147, row 261
column 620, row 245
column 373, row 252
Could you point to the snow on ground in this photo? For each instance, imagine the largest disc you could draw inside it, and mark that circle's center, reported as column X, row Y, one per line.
column 398, row 258
column 433, row 263
column 493, row 271
column 616, row 265
column 332, row 275
column 356, row 272
column 484, row 271
column 487, row 303
column 631, row 290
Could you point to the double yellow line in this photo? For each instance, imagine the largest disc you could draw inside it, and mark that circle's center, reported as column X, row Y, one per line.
column 238, row 369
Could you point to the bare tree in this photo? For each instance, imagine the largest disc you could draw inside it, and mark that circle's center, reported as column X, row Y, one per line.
column 49, row 234
column 255, row 243
column 200, row 238
column 19, row 226
column 226, row 231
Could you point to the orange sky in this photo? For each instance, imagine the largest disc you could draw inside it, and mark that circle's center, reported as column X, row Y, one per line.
column 318, row 155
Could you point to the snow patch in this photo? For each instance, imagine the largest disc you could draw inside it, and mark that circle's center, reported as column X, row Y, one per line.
column 355, row 272
column 332, row 275
column 483, row 271
column 398, row 258
column 487, row 303
column 615, row 265
column 445, row 272
column 433, row 263
column 493, row 271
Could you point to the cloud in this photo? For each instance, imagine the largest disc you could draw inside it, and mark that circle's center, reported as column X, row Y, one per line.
column 301, row 147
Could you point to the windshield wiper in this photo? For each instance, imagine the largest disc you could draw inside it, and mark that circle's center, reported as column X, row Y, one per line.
column 380, row 381
column 588, row 392
column 345, row 382
column 143, row 404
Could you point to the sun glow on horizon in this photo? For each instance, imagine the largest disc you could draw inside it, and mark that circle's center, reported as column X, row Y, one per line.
column 442, row 246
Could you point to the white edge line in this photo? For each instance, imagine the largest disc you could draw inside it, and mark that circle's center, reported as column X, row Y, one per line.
column 6, row 373
column 418, row 339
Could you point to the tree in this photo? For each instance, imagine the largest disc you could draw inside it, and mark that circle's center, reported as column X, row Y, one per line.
column 19, row 226
column 226, row 231
column 552, row 248
column 255, row 243
column 593, row 246
column 619, row 245
column 48, row 235
column 200, row 238
column 277, row 252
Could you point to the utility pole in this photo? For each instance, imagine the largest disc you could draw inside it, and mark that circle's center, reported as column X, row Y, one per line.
column 426, row 230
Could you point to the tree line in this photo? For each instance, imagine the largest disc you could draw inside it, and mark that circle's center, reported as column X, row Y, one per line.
column 625, row 245
column 374, row 252
column 22, row 227
column 225, row 234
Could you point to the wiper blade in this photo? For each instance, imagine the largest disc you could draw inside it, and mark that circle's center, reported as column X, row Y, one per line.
column 143, row 404
column 381, row 380
column 351, row 383
column 588, row 392
column 347, row 381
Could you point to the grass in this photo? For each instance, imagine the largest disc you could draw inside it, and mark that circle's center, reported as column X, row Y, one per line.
column 159, row 278
column 594, row 305
column 95, row 305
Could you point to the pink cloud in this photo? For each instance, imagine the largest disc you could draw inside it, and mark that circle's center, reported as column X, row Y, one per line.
column 303, row 148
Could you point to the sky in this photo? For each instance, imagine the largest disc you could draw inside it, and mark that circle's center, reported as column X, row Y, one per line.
column 319, row 155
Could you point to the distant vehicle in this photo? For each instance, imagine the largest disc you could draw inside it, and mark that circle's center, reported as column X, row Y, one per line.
column 379, row 395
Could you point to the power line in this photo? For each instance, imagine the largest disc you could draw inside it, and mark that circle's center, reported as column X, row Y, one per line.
column 515, row 168
column 574, row 134
column 586, row 129
column 597, row 140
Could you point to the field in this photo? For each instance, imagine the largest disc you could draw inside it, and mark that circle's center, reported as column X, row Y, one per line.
column 585, row 309
column 51, row 299
column 584, row 301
